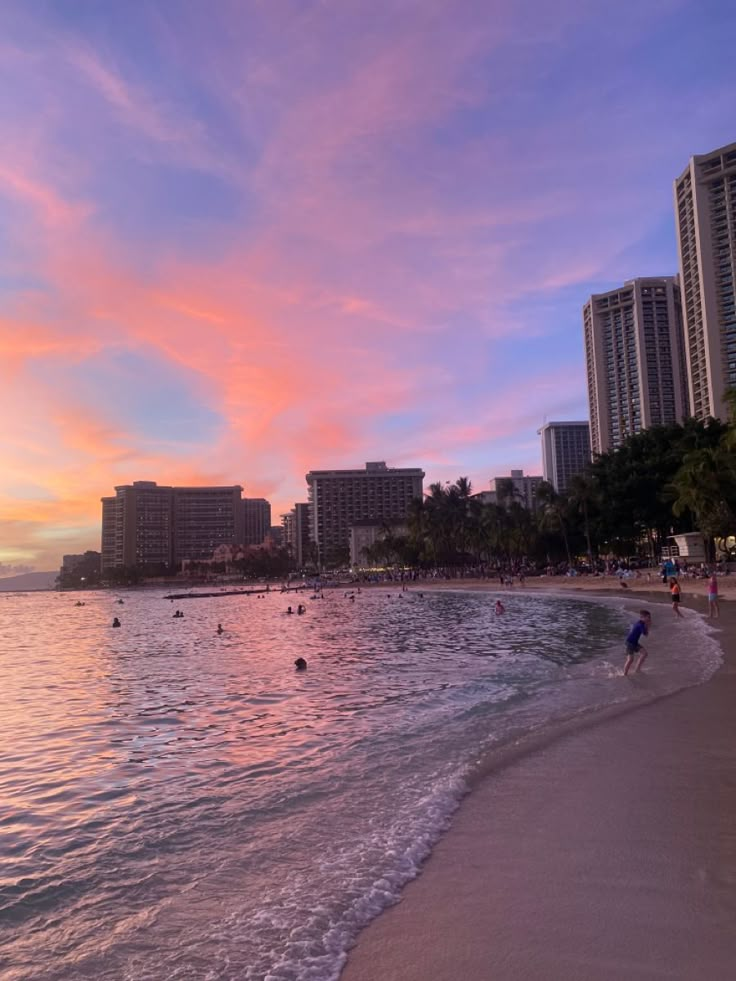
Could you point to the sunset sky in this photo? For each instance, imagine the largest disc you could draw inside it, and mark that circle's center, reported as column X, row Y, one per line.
column 241, row 240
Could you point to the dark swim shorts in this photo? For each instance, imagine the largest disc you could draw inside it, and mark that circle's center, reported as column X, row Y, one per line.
column 675, row 597
column 632, row 649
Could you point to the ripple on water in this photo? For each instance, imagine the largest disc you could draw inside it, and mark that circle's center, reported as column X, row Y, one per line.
column 183, row 805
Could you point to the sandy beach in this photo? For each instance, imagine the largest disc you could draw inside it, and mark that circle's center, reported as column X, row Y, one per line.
column 608, row 853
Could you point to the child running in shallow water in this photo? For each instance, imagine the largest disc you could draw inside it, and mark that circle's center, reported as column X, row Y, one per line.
column 713, row 596
column 676, row 594
column 633, row 647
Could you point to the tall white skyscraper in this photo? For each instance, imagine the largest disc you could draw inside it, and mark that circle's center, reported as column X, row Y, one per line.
column 635, row 361
column 565, row 452
column 705, row 206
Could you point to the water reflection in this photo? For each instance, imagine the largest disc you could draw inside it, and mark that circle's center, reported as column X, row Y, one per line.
column 142, row 759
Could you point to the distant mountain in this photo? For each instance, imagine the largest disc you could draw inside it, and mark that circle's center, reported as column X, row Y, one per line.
column 29, row 580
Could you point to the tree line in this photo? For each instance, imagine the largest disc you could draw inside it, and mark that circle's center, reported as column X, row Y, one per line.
column 663, row 481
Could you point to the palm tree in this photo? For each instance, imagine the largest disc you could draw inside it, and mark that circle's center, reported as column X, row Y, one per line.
column 583, row 492
column 458, row 502
column 551, row 514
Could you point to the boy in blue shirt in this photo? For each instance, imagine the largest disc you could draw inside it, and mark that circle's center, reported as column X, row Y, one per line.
column 639, row 629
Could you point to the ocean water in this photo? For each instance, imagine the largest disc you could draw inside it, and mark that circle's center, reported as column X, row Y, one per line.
column 178, row 804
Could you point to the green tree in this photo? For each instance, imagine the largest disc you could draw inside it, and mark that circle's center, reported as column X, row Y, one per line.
column 584, row 497
column 551, row 514
column 705, row 485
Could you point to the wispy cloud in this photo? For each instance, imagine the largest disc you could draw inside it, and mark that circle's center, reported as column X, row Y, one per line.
column 346, row 232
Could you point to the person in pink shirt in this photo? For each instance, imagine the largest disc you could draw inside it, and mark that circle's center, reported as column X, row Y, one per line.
column 713, row 610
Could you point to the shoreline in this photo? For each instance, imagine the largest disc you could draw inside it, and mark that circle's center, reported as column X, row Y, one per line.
column 602, row 853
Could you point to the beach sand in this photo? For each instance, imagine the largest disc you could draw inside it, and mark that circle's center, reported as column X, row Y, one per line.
column 608, row 854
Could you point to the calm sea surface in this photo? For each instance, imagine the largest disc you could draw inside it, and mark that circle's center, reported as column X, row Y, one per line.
column 182, row 805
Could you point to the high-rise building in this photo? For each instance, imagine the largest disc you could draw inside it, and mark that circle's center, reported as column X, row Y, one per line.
column 705, row 206
column 111, row 549
column 257, row 518
column 337, row 498
column 296, row 534
column 137, row 526
column 523, row 489
column 565, row 452
column 635, row 362
column 148, row 525
column 276, row 534
column 205, row 517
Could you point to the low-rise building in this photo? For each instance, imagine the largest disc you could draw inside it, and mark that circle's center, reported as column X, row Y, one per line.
column 523, row 489
column 80, row 569
column 363, row 536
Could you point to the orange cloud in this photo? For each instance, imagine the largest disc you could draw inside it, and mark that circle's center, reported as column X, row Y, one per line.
column 364, row 286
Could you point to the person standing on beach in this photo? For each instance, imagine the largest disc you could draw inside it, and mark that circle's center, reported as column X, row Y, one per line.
column 713, row 610
column 675, row 593
column 633, row 645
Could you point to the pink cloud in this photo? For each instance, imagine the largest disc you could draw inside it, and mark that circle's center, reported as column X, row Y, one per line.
column 402, row 180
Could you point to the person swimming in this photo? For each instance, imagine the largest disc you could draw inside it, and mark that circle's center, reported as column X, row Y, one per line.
column 116, row 622
column 500, row 608
column 301, row 664
column 289, row 610
column 301, row 609
column 219, row 629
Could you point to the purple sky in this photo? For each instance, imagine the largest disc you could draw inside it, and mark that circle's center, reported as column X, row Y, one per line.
column 242, row 240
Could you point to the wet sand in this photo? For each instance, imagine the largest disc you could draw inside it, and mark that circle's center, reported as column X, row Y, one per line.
column 608, row 854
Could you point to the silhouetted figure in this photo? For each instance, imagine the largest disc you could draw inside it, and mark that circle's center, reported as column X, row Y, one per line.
column 121, row 601
column 219, row 629
column 500, row 608
column 116, row 622
column 301, row 609
column 289, row 610
column 301, row 664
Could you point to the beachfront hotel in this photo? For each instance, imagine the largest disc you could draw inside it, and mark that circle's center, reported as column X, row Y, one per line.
column 257, row 520
column 338, row 498
column 296, row 538
column 565, row 452
column 148, row 525
column 705, row 206
column 635, row 360
column 523, row 489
